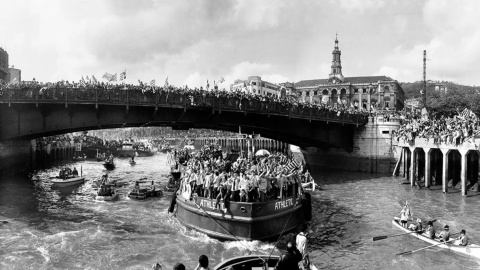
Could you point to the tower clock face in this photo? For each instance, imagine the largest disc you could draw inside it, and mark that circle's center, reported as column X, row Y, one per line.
column 334, row 81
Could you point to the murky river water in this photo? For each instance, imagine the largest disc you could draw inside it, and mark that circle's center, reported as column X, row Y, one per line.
column 51, row 228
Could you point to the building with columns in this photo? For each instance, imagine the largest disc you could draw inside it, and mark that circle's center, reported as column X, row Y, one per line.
column 367, row 92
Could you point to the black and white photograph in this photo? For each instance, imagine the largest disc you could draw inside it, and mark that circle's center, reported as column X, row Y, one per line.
column 239, row 134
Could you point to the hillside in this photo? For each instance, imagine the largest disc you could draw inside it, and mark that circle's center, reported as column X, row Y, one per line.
column 449, row 102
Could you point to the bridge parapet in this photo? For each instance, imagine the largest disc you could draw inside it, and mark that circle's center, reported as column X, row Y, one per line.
column 206, row 100
column 470, row 144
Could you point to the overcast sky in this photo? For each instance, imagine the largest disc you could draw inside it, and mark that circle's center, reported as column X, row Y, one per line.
column 191, row 41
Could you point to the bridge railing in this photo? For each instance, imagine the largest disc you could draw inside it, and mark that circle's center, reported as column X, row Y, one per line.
column 175, row 99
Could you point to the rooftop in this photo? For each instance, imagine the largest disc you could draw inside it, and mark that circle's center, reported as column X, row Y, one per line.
column 352, row 80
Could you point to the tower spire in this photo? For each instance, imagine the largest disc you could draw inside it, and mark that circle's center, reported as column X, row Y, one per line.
column 336, row 71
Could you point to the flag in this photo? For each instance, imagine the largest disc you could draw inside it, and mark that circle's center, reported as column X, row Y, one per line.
column 292, row 165
column 109, row 77
column 208, row 85
column 114, row 78
column 123, row 75
column 94, row 80
column 221, row 80
column 87, row 79
column 152, row 83
column 82, row 83
column 166, row 82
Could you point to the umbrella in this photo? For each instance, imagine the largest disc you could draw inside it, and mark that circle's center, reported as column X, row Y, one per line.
column 262, row 152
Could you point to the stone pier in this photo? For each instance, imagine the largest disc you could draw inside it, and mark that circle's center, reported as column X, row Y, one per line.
column 459, row 163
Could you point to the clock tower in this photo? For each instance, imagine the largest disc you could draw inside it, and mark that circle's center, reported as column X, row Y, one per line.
column 335, row 75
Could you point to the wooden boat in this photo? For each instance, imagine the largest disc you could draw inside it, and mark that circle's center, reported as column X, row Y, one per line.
column 143, row 193
column 471, row 249
column 71, row 180
column 249, row 262
column 242, row 220
column 109, row 164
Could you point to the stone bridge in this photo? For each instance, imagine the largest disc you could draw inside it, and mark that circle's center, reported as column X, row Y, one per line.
column 30, row 113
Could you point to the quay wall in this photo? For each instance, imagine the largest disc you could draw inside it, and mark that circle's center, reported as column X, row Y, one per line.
column 24, row 155
column 372, row 150
column 15, row 155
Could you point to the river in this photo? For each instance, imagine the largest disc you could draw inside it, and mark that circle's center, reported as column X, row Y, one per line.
column 50, row 228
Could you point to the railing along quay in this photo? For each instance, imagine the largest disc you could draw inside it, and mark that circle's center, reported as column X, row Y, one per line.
column 172, row 99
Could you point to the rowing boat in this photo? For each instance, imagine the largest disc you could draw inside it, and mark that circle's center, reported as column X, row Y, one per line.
column 471, row 250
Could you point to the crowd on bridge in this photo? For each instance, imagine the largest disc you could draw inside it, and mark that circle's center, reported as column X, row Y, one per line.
column 209, row 174
column 462, row 127
column 31, row 90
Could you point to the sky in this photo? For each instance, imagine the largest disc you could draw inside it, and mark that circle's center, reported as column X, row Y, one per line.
column 192, row 41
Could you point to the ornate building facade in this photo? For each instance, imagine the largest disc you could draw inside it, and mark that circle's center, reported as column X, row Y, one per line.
column 367, row 92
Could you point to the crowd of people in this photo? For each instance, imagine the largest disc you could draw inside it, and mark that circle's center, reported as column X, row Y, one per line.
column 462, row 127
column 209, row 174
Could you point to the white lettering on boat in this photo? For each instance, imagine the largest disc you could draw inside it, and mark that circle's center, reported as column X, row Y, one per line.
column 283, row 204
column 210, row 204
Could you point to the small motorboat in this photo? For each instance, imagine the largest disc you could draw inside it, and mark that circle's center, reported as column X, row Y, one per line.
column 109, row 164
column 67, row 177
column 70, row 180
column 106, row 193
column 143, row 193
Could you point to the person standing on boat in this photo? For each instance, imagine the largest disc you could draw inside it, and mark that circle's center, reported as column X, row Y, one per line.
column 405, row 215
column 208, row 184
column 200, row 182
column 462, row 240
column 301, row 243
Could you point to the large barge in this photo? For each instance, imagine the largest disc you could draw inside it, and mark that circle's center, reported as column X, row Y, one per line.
column 243, row 220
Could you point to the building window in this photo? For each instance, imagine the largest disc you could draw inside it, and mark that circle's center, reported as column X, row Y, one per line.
column 314, row 93
column 364, row 90
column 355, row 91
column 254, row 83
